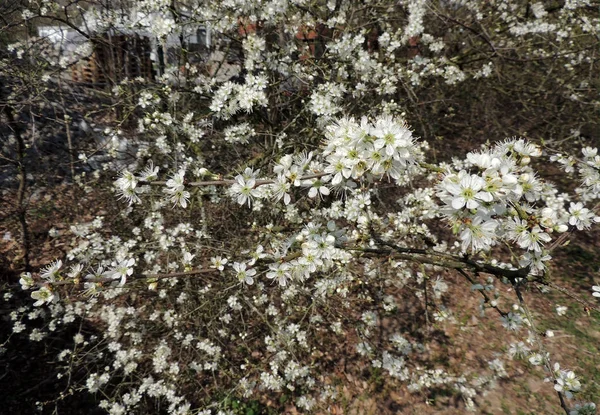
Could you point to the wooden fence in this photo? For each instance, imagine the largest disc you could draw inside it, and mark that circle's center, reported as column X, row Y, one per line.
column 114, row 58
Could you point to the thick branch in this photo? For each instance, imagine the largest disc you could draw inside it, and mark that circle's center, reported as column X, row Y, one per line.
column 427, row 256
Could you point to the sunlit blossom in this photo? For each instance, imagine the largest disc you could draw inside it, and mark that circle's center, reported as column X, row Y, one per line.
column 467, row 193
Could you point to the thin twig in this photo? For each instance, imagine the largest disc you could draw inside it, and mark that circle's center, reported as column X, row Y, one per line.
column 67, row 123
column 486, row 298
column 101, row 280
column 227, row 182
column 568, row 293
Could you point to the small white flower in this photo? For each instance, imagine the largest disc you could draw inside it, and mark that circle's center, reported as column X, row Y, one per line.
column 150, row 173
column 26, row 281
column 364, row 348
column 218, row 263
column 281, row 187
column 536, row 359
column 467, row 192
column 562, row 310
column 177, row 180
column 518, row 350
column 130, row 195
column 530, row 239
column 317, row 188
column 478, row 234
column 43, row 295
column 512, row 321
column 121, row 270
column 242, row 274
column 126, row 181
column 279, row 272
column 369, row 318
column 567, row 382
column 581, row 217
column 243, row 188
column 176, row 188
column 187, row 258
column 52, row 271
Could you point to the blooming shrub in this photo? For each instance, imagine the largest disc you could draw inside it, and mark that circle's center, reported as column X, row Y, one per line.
column 293, row 206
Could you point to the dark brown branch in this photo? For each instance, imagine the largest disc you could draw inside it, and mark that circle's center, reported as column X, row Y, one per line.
column 17, row 127
column 447, row 260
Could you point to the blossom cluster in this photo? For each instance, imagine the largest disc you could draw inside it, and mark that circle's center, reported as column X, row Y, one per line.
column 353, row 152
column 504, row 199
column 337, row 224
